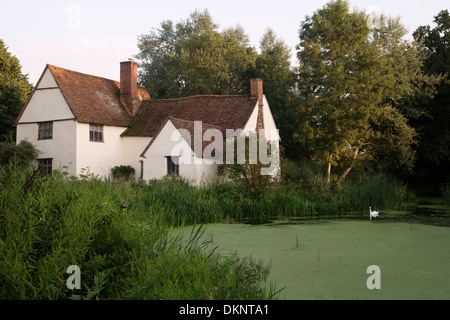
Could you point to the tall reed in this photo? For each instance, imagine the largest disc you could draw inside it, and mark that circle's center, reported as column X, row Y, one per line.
column 115, row 233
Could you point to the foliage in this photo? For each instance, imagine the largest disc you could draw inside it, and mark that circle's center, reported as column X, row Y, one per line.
column 188, row 269
column 14, row 91
column 354, row 195
column 52, row 222
column 358, row 86
column 122, row 172
column 273, row 65
column 433, row 151
column 117, row 233
column 49, row 223
column 248, row 172
column 446, row 194
column 192, row 57
column 23, row 153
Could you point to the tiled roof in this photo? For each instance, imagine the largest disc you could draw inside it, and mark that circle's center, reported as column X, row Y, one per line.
column 93, row 99
column 225, row 112
column 96, row 100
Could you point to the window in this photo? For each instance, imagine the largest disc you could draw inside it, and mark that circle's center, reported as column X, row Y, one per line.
column 45, row 131
column 142, row 169
column 173, row 165
column 95, row 133
column 45, row 166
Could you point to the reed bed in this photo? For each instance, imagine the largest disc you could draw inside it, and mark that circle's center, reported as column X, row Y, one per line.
column 117, row 234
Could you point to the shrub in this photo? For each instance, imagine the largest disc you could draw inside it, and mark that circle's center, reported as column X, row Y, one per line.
column 22, row 154
column 122, row 173
column 250, row 176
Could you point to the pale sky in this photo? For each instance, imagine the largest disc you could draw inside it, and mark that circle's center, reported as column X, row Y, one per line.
column 95, row 36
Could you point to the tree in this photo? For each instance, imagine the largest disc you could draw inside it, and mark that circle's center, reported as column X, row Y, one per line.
column 192, row 57
column 14, row 91
column 433, row 152
column 357, row 88
column 274, row 67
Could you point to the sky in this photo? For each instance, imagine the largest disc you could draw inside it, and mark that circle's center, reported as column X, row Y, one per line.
column 94, row 36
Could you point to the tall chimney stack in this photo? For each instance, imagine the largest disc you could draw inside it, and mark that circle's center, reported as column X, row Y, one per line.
column 256, row 89
column 129, row 94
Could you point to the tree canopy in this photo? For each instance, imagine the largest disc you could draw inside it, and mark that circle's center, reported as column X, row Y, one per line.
column 192, row 57
column 433, row 151
column 358, row 87
column 14, row 91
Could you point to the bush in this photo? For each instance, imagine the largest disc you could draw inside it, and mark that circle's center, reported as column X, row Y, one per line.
column 248, row 176
column 22, row 154
column 122, row 173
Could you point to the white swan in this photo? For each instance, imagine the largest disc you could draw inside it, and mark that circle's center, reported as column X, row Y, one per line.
column 373, row 214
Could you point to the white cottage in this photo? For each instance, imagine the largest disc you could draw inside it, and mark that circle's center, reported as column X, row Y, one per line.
column 84, row 123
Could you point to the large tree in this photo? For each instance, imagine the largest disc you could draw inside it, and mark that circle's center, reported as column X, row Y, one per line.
column 192, row 57
column 14, row 91
column 273, row 65
column 357, row 87
column 433, row 152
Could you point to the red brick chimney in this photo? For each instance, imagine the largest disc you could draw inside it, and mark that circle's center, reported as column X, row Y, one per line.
column 256, row 90
column 129, row 94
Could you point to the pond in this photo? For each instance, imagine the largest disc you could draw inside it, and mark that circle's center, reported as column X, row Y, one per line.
column 329, row 259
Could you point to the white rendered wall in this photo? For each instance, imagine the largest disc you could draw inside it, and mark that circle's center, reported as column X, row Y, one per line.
column 61, row 148
column 132, row 148
column 271, row 132
column 47, row 80
column 47, row 103
column 191, row 167
column 269, row 122
column 99, row 157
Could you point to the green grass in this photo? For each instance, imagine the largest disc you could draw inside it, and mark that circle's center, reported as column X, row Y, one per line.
column 329, row 260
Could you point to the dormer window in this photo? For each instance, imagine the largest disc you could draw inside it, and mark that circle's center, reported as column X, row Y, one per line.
column 96, row 133
column 45, row 130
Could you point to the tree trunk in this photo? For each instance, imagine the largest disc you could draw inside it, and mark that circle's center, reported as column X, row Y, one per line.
column 329, row 169
column 350, row 166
